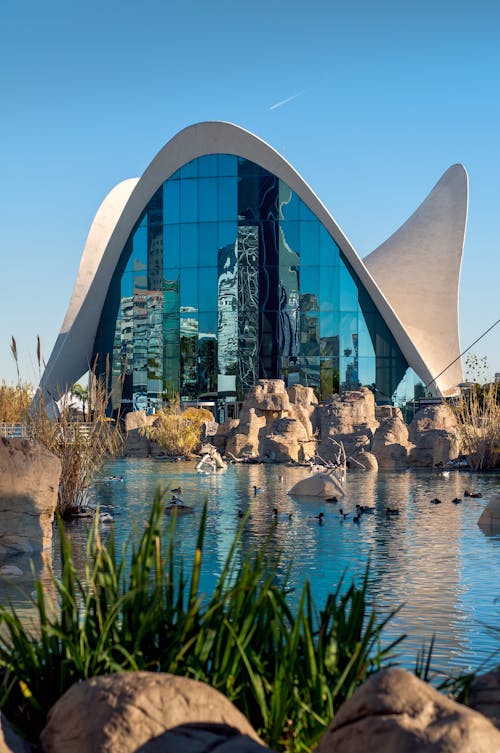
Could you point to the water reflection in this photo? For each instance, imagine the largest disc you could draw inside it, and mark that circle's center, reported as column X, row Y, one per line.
column 433, row 559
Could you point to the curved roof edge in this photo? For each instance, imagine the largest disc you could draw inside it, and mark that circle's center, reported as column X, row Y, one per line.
column 73, row 350
column 418, row 270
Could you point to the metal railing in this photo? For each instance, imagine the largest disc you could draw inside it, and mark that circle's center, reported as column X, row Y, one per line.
column 14, row 431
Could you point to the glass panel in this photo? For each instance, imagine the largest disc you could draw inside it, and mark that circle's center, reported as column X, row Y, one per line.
column 348, row 291
column 207, row 166
column 207, row 286
column 228, row 164
column 349, row 333
column 171, row 248
column 171, row 201
column 329, row 331
column 310, row 374
column 309, row 288
column 189, row 245
column 127, row 287
column 309, row 243
column 189, row 200
column 329, row 377
column 140, row 248
column 228, row 198
column 305, row 213
column 366, row 371
column 190, row 170
column 349, row 378
column 189, row 291
column 290, row 238
column 288, row 203
column 227, row 234
column 328, row 249
column 365, row 343
column 329, row 288
column 207, row 243
column 309, row 334
column 207, row 199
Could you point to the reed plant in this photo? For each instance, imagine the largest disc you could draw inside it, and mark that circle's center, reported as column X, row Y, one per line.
column 478, row 418
column 286, row 668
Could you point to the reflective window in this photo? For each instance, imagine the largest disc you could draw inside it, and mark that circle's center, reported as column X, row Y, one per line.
column 229, row 277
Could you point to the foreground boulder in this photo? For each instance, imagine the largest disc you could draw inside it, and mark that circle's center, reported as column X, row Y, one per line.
column 484, row 696
column 395, row 712
column 29, row 480
column 132, row 711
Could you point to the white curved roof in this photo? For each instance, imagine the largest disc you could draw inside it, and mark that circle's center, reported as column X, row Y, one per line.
column 419, row 342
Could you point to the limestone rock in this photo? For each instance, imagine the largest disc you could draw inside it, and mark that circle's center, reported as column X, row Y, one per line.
column 390, row 443
column 433, row 446
column 29, row 480
column 268, row 396
column 485, row 695
column 348, row 418
column 125, row 711
column 203, row 738
column 433, row 417
column 395, row 712
column 363, row 461
column 285, row 442
column 245, row 440
column 137, row 418
column 489, row 520
column 318, row 485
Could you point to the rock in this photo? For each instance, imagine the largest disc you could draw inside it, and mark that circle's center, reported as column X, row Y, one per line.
column 245, row 440
column 268, row 396
column 363, row 461
column 128, row 711
column 390, row 443
column 286, row 441
column 319, row 485
column 484, row 695
column 137, row 418
column 29, row 481
column 9, row 741
column 348, row 418
column 395, row 712
column 433, row 417
column 10, row 571
column 203, row 738
column 433, row 446
column 489, row 520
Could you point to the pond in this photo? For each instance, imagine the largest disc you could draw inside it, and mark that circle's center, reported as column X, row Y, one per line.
column 432, row 560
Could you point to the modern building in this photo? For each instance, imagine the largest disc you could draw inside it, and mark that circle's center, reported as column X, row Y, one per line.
column 220, row 266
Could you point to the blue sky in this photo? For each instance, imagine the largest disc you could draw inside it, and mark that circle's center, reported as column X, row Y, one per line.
column 389, row 95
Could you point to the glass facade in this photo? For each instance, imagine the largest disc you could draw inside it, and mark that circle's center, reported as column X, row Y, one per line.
column 228, row 277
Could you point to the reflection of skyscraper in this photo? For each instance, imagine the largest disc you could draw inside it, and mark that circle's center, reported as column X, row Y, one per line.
column 227, row 310
column 248, row 306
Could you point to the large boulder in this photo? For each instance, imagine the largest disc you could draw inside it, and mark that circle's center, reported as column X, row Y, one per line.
column 390, row 442
column 432, row 418
column 395, row 712
column 321, row 485
column 363, row 461
column 484, row 696
column 489, row 520
column 288, row 440
column 131, row 711
column 434, row 433
column 246, row 437
column 347, row 418
column 268, row 396
column 29, row 481
column 137, row 444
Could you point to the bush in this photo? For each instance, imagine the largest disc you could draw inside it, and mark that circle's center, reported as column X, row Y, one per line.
column 177, row 432
column 287, row 670
column 14, row 402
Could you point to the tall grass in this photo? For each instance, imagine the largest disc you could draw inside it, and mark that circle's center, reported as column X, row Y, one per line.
column 478, row 418
column 287, row 669
column 177, row 431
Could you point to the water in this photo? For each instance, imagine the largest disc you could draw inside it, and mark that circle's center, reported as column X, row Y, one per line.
column 432, row 559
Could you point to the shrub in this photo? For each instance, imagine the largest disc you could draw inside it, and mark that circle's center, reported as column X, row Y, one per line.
column 288, row 670
column 178, row 432
column 15, row 402
column 478, row 418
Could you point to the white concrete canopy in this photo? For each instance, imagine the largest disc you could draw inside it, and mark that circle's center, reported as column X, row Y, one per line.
column 440, row 221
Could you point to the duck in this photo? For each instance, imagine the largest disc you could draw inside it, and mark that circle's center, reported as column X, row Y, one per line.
column 177, row 491
column 456, row 501
column 435, row 501
column 319, row 517
column 391, row 511
column 343, row 515
column 472, row 495
column 281, row 515
column 356, row 519
column 332, row 500
column 365, row 509
column 257, row 490
column 105, row 517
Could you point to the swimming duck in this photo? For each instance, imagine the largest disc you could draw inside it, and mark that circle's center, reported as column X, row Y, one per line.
column 365, row 509
column 343, row 515
column 105, row 517
column 356, row 519
column 456, row 501
column 177, row 491
column 257, row 490
column 318, row 517
column 472, row 495
column 391, row 511
column 332, row 500
column 281, row 515
column 435, row 501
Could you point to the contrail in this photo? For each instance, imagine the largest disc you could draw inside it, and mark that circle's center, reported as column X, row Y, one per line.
column 288, row 99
